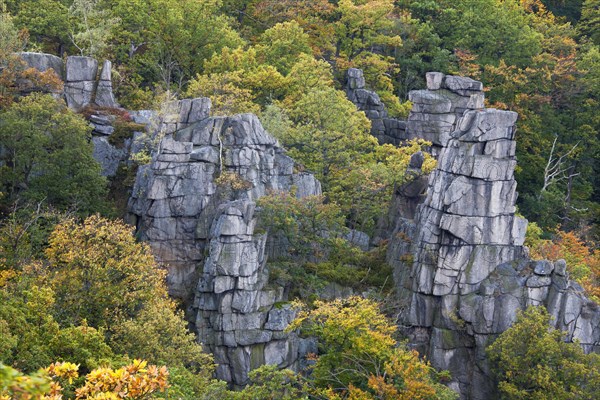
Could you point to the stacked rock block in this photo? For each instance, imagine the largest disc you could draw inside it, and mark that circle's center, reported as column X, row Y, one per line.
column 194, row 204
column 437, row 109
column 235, row 313
column 179, row 114
column 460, row 264
column 385, row 129
column 104, row 91
column 82, row 84
column 43, row 63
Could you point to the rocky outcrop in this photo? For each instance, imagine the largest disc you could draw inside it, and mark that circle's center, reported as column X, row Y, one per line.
column 83, row 87
column 195, row 206
column 80, row 81
column 44, row 62
column 436, row 110
column 385, row 129
column 460, row 265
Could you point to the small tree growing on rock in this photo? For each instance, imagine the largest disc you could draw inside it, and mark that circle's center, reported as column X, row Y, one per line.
column 532, row 361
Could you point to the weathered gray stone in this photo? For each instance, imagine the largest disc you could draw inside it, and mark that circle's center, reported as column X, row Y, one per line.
column 79, row 94
column 470, row 274
column 434, row 80
column 105, row 130
column 461, row 85
column 543, row 267
column 560, row 267
column 80, row 68
column 246, row 337
column 278, row 353
column 104, row 95
column 280, row 318
column 44, row 62
column 107, row 155
column 205, row 154
column 355, row 79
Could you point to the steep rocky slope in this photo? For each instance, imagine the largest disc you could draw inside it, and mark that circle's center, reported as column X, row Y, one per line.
column 456, row 243
column 195, row 205
column 460, row 264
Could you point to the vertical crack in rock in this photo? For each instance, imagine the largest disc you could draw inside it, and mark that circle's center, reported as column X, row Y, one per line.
column 460, row 265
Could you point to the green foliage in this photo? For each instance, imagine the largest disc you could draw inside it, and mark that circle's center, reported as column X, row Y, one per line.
column 532, row 361
column 468, row 25
column 329, row 133
column 97, row 300
column 9, row 36
column 307, row 223
column 100, row 273
column 159, row 334
column 281, row 45
column 24, row 234
column 359, row 356
column 590, row 20
column 49, row 156
column 161, row 41
column 227, row 97
column 47, row 22
column 15, row 384
column 91, row 27
column 326, row 134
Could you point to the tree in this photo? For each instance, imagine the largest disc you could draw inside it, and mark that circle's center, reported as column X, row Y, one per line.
column 11, row 42
column 48, row 155
column 281, row 45
column 137, row 380
column 590, row 20
column 309, row 225
column 91, row 27
column 359, row 356
column 47, row 22
column 532, row 361
column 328, row 132
column 100, row 273
column 492, row 29
column 158, row 40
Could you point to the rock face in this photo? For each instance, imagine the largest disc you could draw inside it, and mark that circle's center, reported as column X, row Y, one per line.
column 435, row 111
column 460, row 265
column 44, row 62
column 195, row 205
column 385, row 129
column 82, row 84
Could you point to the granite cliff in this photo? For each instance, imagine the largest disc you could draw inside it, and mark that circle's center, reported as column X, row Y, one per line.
column 456, row 244
column 459, row 261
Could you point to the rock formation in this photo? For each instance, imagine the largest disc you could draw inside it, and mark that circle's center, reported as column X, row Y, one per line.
column 82, row 83
column 385, row 129
column 457, row 250
column 434, row 114
column 83, row 87
column 460, row 264
column 194, row 204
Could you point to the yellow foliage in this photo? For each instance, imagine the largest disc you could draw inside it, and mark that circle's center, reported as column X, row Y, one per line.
column 99, row 272
column 137, row 380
